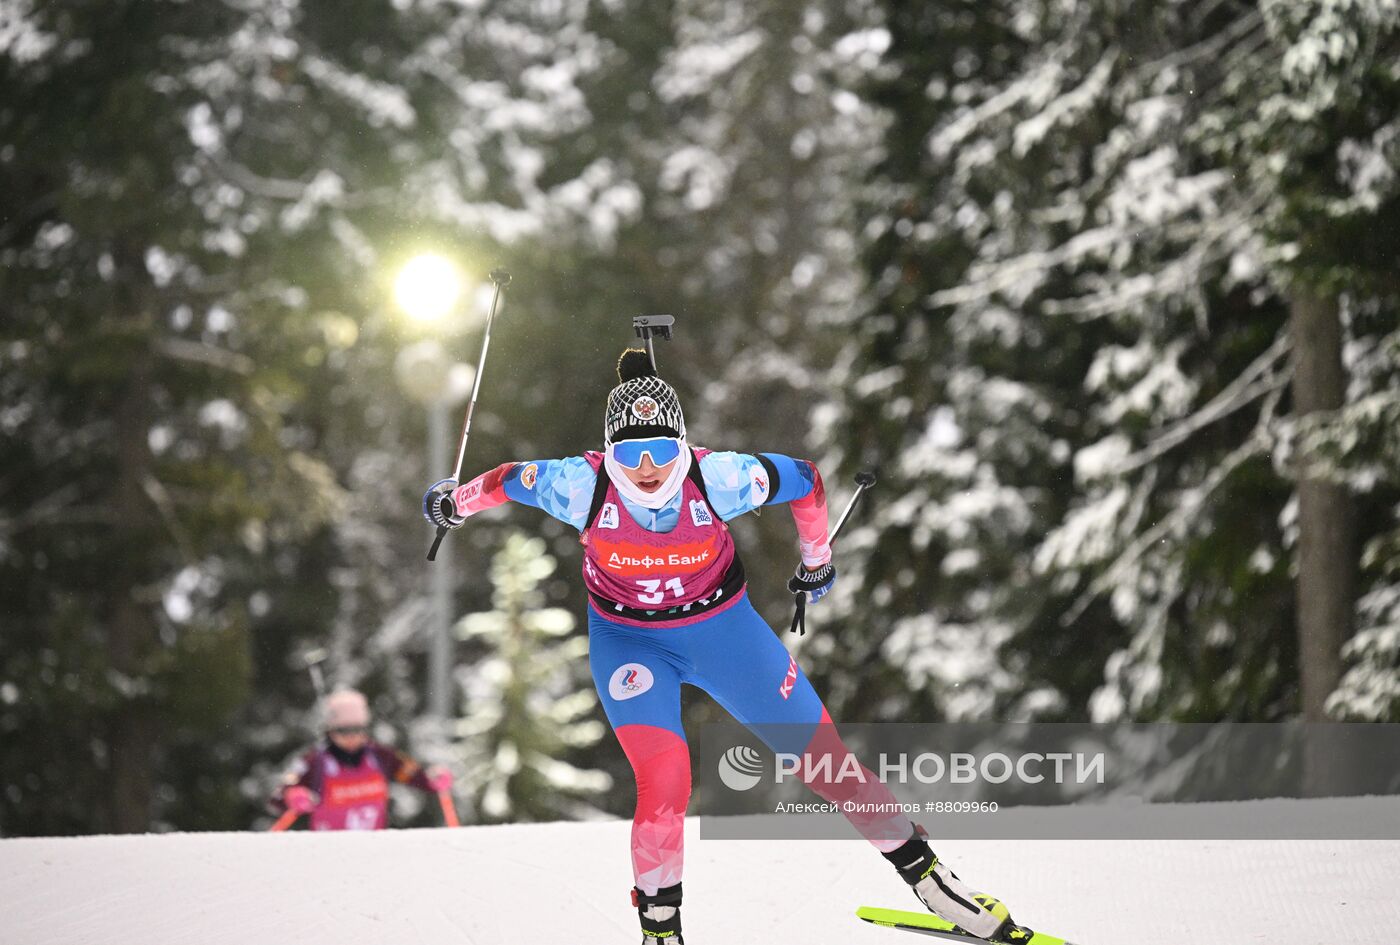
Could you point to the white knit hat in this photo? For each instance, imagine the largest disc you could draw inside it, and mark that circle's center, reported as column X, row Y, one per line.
column 643, row 405
column 345, row 708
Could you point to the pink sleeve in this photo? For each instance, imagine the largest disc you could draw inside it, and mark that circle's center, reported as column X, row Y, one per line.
column 809, row 512
column 305, row 773
column 484, row 492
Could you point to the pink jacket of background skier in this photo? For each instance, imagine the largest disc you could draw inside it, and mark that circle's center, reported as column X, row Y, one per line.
column 353, row 787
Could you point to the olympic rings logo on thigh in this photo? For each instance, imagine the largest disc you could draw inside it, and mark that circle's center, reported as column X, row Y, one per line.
column 629, row 681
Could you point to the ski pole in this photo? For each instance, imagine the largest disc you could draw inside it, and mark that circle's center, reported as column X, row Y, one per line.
column 864, row 480
column 449, row 812
column 313, row 660
column 286, row 820
column 500, row 278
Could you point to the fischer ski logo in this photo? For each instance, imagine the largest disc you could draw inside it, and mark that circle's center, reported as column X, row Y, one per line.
column 790, row 679
column 607, row 518
column 699, row 514
column 629, row 681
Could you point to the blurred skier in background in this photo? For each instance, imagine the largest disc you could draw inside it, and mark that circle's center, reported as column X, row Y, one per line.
column 343, row 782
column 668, row 605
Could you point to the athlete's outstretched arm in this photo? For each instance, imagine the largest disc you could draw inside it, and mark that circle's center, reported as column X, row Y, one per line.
column 741, row 482
column 484, row 492
column 563, row 488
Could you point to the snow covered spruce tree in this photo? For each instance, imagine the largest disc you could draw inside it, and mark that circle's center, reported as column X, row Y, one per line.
column 1359, row 447
column 1327, row 139
column 199, row 202
column 527, row 700
column 963, row 414
column 1129, row 243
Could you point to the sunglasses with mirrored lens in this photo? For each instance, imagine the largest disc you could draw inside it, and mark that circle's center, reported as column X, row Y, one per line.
column 662, row 450
column 350, row 730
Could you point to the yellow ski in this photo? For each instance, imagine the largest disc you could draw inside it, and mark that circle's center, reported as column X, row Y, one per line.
column 926, row 923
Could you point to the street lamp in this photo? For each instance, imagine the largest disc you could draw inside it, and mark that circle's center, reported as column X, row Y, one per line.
column 427, row 290
column 427, row 287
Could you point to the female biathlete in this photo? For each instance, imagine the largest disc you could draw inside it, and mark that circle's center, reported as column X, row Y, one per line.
column 667, row 605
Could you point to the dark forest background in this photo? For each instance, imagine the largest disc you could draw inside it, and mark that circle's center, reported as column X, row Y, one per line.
column 1106, row 291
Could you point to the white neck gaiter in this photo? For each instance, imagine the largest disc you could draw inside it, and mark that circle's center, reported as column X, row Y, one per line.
column 650, row 500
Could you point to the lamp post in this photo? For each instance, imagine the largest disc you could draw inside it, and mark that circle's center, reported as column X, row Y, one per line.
column 427, row 290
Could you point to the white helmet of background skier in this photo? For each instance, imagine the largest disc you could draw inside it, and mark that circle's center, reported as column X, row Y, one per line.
column 345, row 714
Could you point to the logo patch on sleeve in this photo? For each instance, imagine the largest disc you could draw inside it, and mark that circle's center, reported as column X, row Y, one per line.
column 629, row 681
column 699, row 514
column 607, row 516
column 758, row 485
column 528, row 475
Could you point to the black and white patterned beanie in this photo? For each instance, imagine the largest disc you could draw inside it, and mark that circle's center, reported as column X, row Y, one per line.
column 643, row 405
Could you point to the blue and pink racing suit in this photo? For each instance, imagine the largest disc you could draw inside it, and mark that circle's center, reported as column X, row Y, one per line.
column 667, row 605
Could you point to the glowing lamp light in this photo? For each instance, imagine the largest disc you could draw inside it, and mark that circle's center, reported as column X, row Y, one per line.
column 427, row 287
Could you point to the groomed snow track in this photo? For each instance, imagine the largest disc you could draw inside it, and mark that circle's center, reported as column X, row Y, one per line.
column 567, row 884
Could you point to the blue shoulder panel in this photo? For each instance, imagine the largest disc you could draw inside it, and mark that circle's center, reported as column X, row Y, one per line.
column 563, row 488
column 739, row 482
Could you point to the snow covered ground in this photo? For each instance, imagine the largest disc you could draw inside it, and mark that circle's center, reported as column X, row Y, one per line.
column 567, row 884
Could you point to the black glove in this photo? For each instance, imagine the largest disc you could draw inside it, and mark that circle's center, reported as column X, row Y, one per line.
column 808, row 585
column 814, row 584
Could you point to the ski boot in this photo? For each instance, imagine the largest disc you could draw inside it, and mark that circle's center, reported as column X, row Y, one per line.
column 941, row 892
column 660, row 915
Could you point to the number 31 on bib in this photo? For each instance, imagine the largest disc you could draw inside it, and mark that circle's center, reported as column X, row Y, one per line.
column 653, row 594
